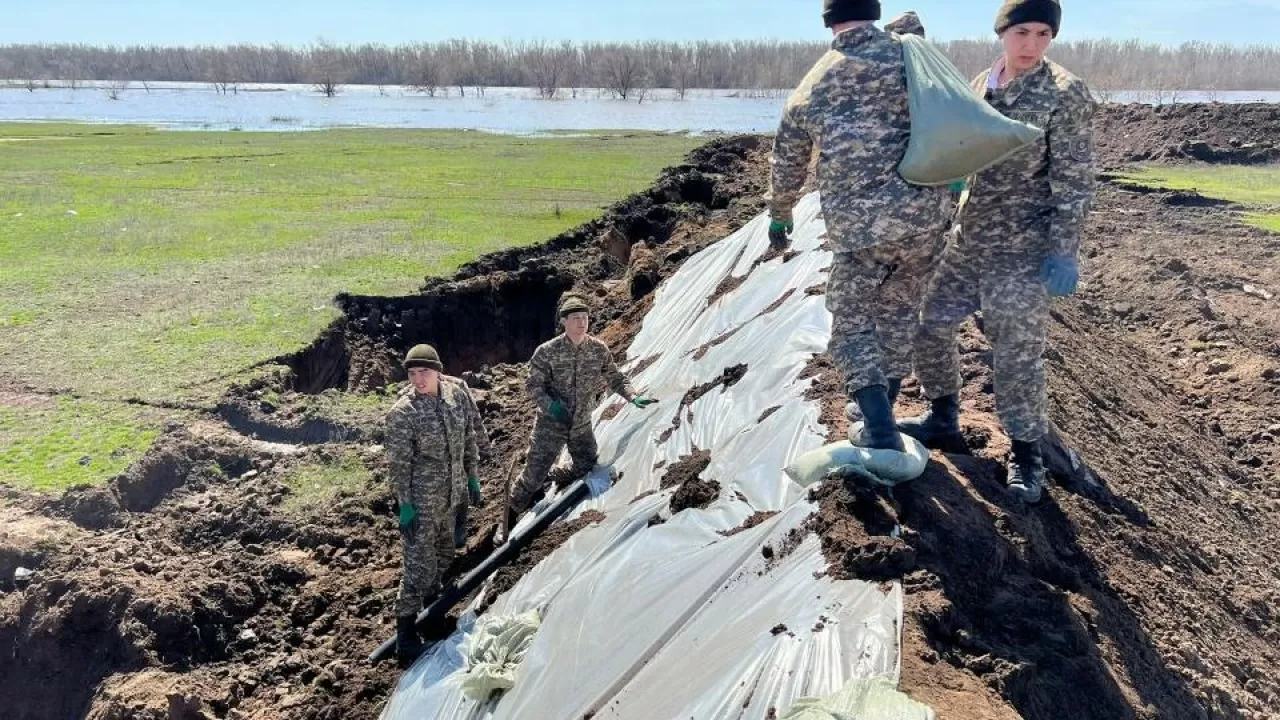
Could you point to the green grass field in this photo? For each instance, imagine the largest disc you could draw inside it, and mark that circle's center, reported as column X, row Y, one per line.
column 156, row 265
column 1258, row 187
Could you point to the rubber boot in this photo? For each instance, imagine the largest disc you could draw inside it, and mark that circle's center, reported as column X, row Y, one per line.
column 939, row 428
column 895, row 388
column 878, row 431
column 408, row 644
column 1026, row 472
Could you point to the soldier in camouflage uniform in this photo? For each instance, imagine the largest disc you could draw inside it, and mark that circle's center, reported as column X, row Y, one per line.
column 433, row 456
column 1017, row 245
column 566, row 377
column 886, row 234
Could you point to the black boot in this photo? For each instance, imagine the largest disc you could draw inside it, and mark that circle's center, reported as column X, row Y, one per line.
column 939, row 428
column 1026, row 472
column 878, row 431
column 408, row 644
column 895, row 387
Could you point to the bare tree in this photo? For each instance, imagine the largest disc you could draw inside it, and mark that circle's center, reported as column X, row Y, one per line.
column 116, row 88
column 326, row 68
column 623, row 72
column 548, row 67
column 426, row 74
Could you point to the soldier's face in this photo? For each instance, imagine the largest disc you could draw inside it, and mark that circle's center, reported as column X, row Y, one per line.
column 576, row 324
column 1025, row 45
column 424, row 380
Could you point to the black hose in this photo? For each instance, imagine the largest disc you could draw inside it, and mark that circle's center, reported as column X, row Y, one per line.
column 448, row 597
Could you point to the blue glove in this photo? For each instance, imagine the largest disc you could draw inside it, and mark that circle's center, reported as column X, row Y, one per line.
column 473, row 489
column 957, row 186
column 559, row 411
column 1060, row 275
column 779, row 232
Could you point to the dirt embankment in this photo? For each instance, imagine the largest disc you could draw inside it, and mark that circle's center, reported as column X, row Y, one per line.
column 1144, row 588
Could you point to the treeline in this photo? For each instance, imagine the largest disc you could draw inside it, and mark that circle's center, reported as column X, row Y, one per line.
column 626, row 69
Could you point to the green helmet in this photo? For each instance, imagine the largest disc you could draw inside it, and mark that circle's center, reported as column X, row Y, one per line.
column 423, row 356
column 572, row 304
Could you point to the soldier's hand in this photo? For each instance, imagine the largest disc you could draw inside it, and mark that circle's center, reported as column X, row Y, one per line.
column 643, row 402
column 559, row 411
column 1060, row 275
column 780, row 233
column 408, row 518
column 473, row 489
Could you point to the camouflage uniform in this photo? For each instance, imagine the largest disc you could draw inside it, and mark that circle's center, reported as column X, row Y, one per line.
column 886, row 234
column 1015, row 216
column 575, row 376
column 431, row 450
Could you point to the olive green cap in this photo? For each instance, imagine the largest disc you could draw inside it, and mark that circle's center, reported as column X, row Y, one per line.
column 423, row 356
column 573, row 304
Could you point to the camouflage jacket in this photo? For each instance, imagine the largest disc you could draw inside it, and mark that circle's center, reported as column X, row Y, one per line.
column 1048, row 186
column 853, row 107
column 432, row 446
column 574, row 375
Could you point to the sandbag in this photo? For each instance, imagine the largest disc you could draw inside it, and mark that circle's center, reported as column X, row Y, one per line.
column 493, row 652
column 881, row 467
column 954, row 132
column 861, row 699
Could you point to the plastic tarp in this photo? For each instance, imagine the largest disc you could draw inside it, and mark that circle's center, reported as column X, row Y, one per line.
column 861, row 699
column 954, row 132
column 685, row 619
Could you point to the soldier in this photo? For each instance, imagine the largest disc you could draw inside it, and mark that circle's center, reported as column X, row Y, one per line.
column 566, row 376
column 1016, row 247
column 433, row 455
column 886, row 234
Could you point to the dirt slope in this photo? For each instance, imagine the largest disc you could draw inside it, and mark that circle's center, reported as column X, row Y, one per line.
column 1146, row 587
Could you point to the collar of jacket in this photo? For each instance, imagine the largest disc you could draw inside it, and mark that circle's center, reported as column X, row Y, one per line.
column 854, row 37
column 564, row 339
column 1020, row 84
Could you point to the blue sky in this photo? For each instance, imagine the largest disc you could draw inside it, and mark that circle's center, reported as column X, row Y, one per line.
column 297, row 22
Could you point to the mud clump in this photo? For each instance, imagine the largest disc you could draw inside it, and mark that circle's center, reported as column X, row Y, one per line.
column 93, row 508
column 173, row 461
column 756, row 519
column 1205, row 132
column 553, row 537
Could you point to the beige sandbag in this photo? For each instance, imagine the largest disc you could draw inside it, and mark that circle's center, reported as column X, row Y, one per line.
column 954, row 132
column 882, row 467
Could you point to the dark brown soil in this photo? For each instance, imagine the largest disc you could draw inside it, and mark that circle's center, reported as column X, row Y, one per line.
column 1241, row 134
column 756, row 519
column 507, row 577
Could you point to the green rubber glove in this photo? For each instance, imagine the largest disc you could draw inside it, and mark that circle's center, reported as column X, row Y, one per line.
column 958, row 186
column 559, row 411
column 643, row 402
column 473, row 489
column 780, row 232
column 408, row 516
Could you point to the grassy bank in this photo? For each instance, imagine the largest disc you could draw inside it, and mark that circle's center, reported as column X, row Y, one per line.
column 154, row 265
column 1256, row 187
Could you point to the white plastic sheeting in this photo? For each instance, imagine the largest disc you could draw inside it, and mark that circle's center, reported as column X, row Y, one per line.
column 678, row 620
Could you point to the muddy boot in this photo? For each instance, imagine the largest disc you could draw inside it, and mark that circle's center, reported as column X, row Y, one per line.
column 939, row 428
column 1026, row 472
column 895, row 387
column 878, row 431
column 408, row 644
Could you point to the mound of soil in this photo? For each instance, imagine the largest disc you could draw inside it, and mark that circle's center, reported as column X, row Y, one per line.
column 1241, row 134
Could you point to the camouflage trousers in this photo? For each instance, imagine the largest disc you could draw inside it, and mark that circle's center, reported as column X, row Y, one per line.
column 1015, row 317
column 428, row 551
column 549, row 438
column 874, row 298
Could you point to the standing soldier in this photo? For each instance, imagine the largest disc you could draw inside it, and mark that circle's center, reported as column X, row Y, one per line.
column 886, row 234
column 433, row 454
column 566, row 376
column 1017, row 245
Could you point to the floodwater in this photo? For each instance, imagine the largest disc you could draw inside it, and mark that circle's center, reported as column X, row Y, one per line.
column 197, row 106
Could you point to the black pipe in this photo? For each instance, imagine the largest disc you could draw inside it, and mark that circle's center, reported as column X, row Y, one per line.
column 448, row 597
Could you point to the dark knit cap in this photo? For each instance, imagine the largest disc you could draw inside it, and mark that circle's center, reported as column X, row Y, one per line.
column 572, row 304
column 423, row 356
column 1016, row 12
column 835, row 12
